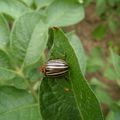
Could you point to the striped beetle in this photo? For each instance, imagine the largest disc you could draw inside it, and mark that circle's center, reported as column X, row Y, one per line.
column 55, row 67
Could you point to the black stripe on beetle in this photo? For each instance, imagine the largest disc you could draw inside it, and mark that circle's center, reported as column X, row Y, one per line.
column 56, row 67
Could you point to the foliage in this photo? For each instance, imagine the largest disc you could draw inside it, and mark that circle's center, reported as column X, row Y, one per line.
column 105, row 67
column 109, row 70
column 108, row 66
column 109, row 14
column 24, row 36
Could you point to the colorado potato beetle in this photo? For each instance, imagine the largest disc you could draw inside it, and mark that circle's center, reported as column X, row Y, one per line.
column 55, row 67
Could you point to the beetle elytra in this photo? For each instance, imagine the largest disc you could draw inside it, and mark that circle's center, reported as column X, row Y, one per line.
column 55, row 67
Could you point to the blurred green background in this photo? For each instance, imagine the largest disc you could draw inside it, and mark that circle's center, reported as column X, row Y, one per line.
column 100, row 36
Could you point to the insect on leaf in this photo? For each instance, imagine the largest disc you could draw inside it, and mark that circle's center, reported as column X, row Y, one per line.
column 57, row 94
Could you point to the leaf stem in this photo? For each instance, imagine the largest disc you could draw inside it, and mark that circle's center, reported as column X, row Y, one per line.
column 21, row 74
column 32, row 90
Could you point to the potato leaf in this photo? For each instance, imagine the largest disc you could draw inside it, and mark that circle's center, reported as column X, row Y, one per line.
column 116, row 62
column 4, row 32
column 85, row 105
column 79, row 51
column 29, row 38
column 64, row 13
column 17, row 104
column 13, row 8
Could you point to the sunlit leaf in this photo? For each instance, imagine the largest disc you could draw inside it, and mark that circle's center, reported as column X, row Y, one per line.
column 4, row 32
column 5, row 68
column 17, row 104
column 116, row 62
column 64, row 12
column 42, row 3
column 29, row 38
column 28, row 2
column 14, row 8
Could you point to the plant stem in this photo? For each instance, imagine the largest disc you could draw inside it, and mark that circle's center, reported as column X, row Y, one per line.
column 20, row 73
column 29, row 84
column 32, row 90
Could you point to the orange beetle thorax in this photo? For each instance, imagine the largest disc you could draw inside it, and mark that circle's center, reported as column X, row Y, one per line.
column 42, row 69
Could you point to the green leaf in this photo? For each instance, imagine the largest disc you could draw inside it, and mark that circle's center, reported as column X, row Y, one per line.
column 42, row 3
column 33, row 72
column 17, row 105
column 5, row 69
column 79, row 51
column 97, row 83
column 110, row 73
column 113, row 25
column 103, row 96
column 116, row 62
column 29, row 112
column 113, row 2
column 28, row 2
column 99, row 32
column 87, row 2
column 95, row 64
column 14, row 8
column 95, row 61
column 57, row 100
column 64, row 13
column 97, row 52
column 29, row 38
column 114, row 114
column 116, row 109
column 80, row 1
column 37, row 44
column 17, row 82
column 117, row 11
column 110, row 116
column 8, row 76
column 100, row 6
column 4, row 32
column 86, row 102
column 4, row 60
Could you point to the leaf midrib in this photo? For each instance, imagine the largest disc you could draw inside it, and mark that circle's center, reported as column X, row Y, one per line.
column 22, row 66
column 75, row 96
column 19, row 108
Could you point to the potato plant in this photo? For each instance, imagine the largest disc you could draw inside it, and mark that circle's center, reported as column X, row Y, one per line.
column 29, row 28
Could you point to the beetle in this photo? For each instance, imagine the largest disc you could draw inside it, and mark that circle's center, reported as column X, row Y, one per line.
column 55, row 68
